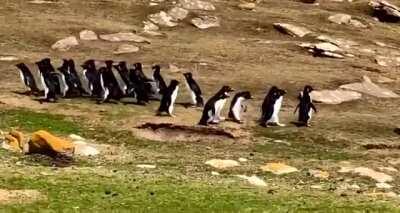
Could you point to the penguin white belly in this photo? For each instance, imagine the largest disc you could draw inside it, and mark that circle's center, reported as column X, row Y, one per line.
column 173, row 99
column 64, row 85
column 192, row 94
column 310, row 112
column 210, row 116
column 275, row 113
column 46, row 89
column 218, row 108
column 237, row 108
column 23, row 79
column 105, row 91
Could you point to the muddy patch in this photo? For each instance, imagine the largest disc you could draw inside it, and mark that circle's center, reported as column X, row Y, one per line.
column 173, row 132
column 20, row 196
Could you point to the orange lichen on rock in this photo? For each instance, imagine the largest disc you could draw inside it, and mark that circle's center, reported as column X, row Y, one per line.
column 45, row 143
column 12, row 143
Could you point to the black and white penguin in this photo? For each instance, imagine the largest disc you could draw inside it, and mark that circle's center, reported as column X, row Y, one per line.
column 139, row 83
column 271, row 107
column 123, row 71
column 238, row 106
column 194, row 89
column 93, row 78
column 139, row 70
column 28, row 79
column 160, row 83
column 49, row 80
column 168, row 98
column 213, row 107
column 111, row 82
column 305, row 107
column 71, row 78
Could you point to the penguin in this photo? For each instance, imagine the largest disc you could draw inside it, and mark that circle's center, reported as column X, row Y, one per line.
column 123, row 71
column 49, row 81
column 271, row 107
column 168, row 99
column 194, row 89
column 93, row 78
column 238, row 106
column 213, row 107
column 139, row 70
column 305, row 106
column 28, row 79
column 71, row 78
column 160, row 83
column 140, row 86
column 111, row 82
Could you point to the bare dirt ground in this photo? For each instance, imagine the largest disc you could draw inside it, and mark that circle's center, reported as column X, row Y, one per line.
column 227, row 55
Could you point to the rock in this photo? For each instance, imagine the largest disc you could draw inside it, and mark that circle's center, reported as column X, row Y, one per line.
column 383, row 186
column 126, row 48
column 292, row 30
column 340, row 18
column 384, row 194
column 385, row 11
column 146, row 166
column 82, row 148
column 162, row 18
column 178, row 13
column 88, row 35
column 278, row 168
column 253, row 180
column 20, row 196
column 242, row 160
column 319, row 187
column 215, row 173
column 42, row 2
column 342, row 43
column 43, row 142
column 334, row 96
column 388, row 169
column 247, row 6
column 150, row 26
column 120, row 37
column 384, row 80
column 204, row 22
column 319, row 174
column 386, row 61
column 196, row 5
column 174, row 69
column 65, row 44
column 379, row 177
column 324, row 49
column 74, row 137
column 8, row 58
column 368, row 87
column 357, row 23
column 222, row 164
column 381, row 44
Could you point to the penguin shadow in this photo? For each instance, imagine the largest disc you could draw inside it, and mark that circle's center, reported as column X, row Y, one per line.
column 29, row 93
column 188, row 105
column 300, row 124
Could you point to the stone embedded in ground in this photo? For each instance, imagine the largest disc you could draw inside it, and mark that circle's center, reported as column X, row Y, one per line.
column 278, row 168
column 126, row 48
column 342, row 43
column 337, row 96
column 20, row 196
column 247, row 6
column 204, row 22
column 388, row 169
column 324, row 49
column 385, row 11
column 163, row 19
column 379, row 177
column 387, row 61
column 146, row 166
column 196, row 5
column 178, row 13
column 42, row 2
column 150, row 26
column 124, row 36
column 320, row 187
column 383, row 186
column 222, row 164
column 88, row 35
column 242, row 160
column 357, row 23
column 368, row 87
column 383, row 194
column 293, row 30
column 340, row 18
column 82, row 148
column 215, row 173
column 8, row 58
column 65, row 44
column 384, row 80
column 319, row 173
column 253, row 180
column 45, row 143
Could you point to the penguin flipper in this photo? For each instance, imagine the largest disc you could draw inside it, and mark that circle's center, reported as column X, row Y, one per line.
column 313, row 107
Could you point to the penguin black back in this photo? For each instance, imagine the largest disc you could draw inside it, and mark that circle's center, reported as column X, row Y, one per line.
column 238, row 105
column 305, row 106
column 210, row 108
column 194, row 89
column 27, row 78
column 162, row 86
column 271, row 105
column 169, row 97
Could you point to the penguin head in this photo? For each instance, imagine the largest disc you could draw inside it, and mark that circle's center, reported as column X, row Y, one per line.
column 226, row 90
column 174, row 83
column 138, row 66
column 188, row 75
column 64, row 66
column 308, row 89
column 247, row 95
column 156, row 67
column 89, row 64
column 109, row 63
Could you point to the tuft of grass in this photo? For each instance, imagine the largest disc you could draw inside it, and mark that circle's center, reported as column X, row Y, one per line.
column 33, row 121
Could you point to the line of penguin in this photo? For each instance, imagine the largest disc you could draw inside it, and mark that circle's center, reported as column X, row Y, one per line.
column 114, row 81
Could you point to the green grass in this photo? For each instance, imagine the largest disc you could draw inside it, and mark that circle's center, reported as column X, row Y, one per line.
column 33, row 121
